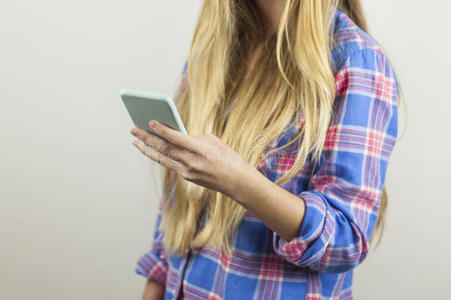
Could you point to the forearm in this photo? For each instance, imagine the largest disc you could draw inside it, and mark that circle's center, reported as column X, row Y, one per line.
column 279, row 209
column 153, row 291
column 196, row 159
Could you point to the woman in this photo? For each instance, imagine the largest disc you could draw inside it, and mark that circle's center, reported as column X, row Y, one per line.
column 275, row 194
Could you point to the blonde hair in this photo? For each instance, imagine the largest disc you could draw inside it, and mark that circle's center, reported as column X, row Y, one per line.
column 215, row 98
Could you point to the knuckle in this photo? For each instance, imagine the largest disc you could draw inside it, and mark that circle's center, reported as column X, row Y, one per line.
column 189, row 160
column 147, row 139
column 192, row 168
column 150, row 151
column 164, row 148
column 187, row 174
column 156, row 155
column 191, row 165
column 174, row 155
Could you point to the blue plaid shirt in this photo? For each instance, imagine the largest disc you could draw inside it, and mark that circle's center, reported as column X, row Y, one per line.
column 342, row 198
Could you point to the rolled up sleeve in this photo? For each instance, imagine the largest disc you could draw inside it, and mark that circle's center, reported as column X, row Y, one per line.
column 343, row 196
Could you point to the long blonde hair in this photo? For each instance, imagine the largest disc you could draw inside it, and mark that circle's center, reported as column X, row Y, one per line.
column 294, row 73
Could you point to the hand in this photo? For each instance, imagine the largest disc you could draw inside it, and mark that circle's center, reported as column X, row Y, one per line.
column 204, row 160
column 207, row 161
column 153, row 290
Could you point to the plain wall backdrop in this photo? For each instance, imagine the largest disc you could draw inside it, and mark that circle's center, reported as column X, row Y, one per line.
column 77, row 200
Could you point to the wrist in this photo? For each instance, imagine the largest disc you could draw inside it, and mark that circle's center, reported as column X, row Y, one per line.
column 242, row 181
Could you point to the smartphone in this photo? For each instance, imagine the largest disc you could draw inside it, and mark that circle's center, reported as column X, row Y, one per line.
column 144, row 106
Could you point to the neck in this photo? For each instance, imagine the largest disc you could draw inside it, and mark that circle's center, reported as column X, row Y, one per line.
column 270, row 12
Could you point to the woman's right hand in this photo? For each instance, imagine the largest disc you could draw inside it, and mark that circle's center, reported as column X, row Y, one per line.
column 153, row 291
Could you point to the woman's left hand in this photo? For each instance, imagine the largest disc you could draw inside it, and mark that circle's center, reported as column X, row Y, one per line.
column 204, row 160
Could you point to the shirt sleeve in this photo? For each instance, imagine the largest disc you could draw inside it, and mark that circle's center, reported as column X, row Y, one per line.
column 153, row 264
column 343, row 196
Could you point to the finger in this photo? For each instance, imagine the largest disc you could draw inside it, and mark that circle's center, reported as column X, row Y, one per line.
column 157, row 143
column 158, row 157
column 177, row 138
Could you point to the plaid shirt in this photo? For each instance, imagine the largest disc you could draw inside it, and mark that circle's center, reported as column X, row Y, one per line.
column 342, row 195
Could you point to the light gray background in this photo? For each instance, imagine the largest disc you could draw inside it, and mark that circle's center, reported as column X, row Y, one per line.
column 77, row 201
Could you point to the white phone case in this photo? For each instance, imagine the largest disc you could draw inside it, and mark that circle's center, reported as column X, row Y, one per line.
column 144, row 106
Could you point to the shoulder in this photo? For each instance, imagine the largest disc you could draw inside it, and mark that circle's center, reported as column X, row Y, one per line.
column 350, row 41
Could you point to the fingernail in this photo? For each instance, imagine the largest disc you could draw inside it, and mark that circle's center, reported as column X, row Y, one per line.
column 135, row 143
column 153, row 124
column 134, row 132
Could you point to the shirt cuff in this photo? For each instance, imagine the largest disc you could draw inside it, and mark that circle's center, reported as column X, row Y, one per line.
column 152, row 267
column 314, row 224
